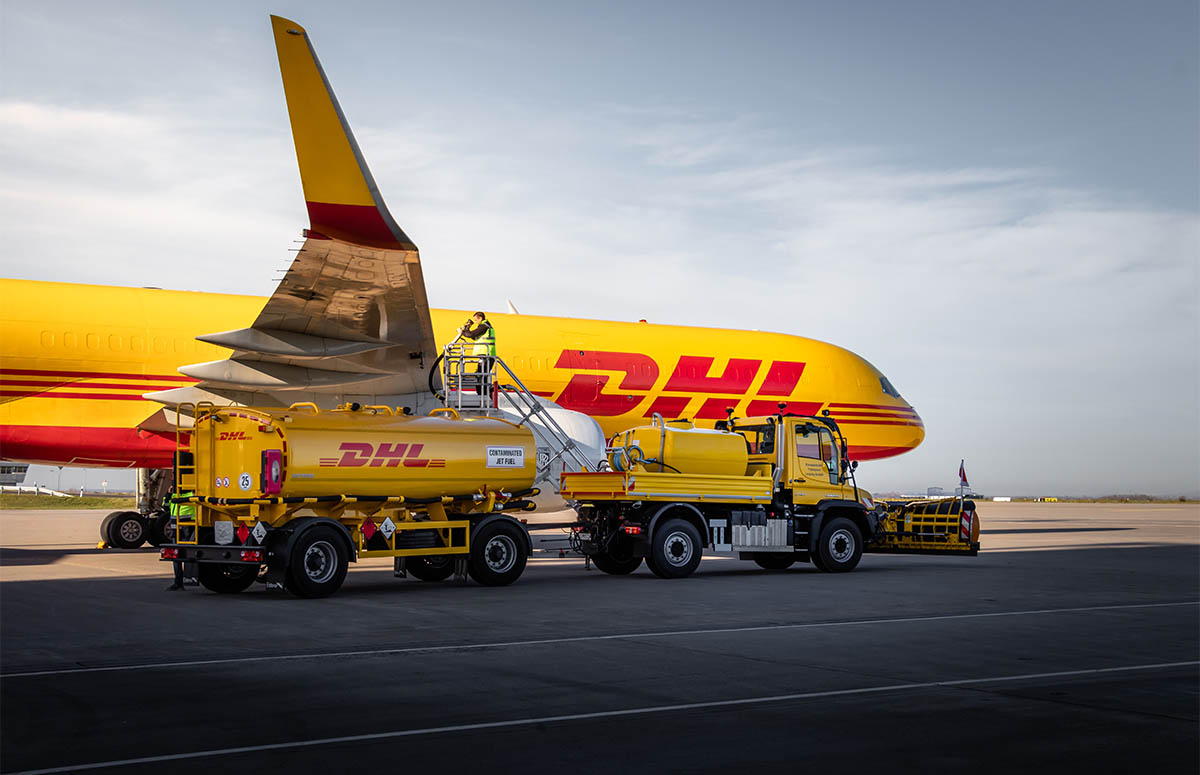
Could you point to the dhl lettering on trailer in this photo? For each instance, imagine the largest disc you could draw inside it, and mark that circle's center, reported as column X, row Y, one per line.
column 689, row 378
column 233, row 436
column 356, row 454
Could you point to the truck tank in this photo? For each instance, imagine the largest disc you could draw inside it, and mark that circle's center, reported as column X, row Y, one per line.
column 300, row 452
column 678, row 446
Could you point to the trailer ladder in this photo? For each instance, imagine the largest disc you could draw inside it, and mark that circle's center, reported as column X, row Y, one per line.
column 473, row 383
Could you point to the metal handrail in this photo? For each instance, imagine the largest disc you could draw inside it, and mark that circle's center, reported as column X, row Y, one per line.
column 456, row 358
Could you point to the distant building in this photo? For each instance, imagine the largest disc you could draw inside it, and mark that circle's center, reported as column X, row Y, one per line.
column 934, row 492
column 12, row 473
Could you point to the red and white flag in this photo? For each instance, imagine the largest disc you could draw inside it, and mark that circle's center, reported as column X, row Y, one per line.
column 962, row 474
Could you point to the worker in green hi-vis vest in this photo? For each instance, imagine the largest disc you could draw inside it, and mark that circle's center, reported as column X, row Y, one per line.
column 483, row 334
column 180, row 510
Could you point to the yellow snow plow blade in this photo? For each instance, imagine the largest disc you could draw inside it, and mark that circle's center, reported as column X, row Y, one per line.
column 941, row 526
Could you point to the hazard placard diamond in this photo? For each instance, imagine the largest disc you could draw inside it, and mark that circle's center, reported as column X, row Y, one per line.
column 387, row 528
column 368, row 528
column 259, row 532
column 243, row 533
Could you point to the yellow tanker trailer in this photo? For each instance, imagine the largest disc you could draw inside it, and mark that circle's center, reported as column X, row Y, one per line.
column 293, row 495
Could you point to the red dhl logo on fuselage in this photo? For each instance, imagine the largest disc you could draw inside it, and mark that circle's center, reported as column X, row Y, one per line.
column 356, row 454
column 585, row 392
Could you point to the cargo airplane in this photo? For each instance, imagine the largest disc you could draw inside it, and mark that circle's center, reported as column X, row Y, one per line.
column 86, row 371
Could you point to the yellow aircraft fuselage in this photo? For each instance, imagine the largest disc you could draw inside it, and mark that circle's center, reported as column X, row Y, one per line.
column 76, row 359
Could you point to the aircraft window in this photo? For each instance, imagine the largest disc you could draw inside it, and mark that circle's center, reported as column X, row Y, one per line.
column 887, row 387
column 114, row 342
column 137, row 344
column 47, row 339
column 93, row 341
column 760, row 439
column 69, row 340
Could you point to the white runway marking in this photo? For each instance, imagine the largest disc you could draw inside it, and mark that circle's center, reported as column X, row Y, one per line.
column 584, row 638
column 596, row 715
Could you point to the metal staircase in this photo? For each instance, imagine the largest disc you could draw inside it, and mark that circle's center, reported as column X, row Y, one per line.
column 478, row 384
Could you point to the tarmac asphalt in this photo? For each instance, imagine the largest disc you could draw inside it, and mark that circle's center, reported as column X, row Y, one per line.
column 1069, row 644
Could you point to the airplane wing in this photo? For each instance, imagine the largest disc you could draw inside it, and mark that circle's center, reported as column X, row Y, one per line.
column 350, row 317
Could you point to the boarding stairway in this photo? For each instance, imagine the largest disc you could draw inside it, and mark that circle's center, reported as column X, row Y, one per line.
column 477, row 384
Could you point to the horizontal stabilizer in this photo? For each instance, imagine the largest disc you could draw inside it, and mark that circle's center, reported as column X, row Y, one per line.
column 290, row 344
column 343, row 200
column 186, row 395
column 276, row 376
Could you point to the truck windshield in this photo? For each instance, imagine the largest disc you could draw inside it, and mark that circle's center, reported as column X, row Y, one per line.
column 760, row 439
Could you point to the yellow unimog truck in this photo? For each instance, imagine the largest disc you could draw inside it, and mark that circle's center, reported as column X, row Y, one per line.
column 776, row 490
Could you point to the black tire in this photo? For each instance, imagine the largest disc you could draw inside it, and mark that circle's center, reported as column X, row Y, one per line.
column 616, row 566
column 437, row 568
column 127, row 530
column 815, row 559
column 498, row 554
column 619, row 559
column 774, row 561
column 226, row 578
column 676, row 549
column 162, row 530
column 318, row 563
column 105, row 524
column 840, row 547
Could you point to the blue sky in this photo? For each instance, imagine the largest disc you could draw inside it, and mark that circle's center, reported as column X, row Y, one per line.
column 994, row 203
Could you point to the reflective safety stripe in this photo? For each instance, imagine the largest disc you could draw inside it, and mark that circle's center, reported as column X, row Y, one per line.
column 488, row 340
column 183, row 509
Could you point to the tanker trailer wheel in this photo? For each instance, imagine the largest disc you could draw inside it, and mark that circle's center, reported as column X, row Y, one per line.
column 226, row 577
column 438, row 568
column 840, row 547
column 498, row 554
column 774, row 560
column 318, row 563
column 675, row 549
column 618, row 559
column 127, row 530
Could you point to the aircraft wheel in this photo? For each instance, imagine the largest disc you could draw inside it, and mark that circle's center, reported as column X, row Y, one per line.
column 226, row 578
column 774, row 561
column 105, row 524
column 430, row 568
column 840, row 547
column 127, row 530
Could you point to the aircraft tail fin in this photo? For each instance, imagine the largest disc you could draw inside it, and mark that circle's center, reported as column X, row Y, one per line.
column 343, row 201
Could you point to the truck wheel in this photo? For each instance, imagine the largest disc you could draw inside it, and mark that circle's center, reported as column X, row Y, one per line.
column 127, row 530
column 162, row 530
column 226, row 577
column 430, row 568
column 675, row 547
column 840, row 547
column 318, row 564
column 498, row 554
column 616, row 566
column 774, row 561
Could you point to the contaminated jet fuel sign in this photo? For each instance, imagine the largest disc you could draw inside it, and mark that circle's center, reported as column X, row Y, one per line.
column 505, row 457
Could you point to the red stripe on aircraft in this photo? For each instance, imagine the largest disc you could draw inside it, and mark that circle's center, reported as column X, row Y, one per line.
column 782, row 378
column 94, row 396
column 690, row 376
column 874, row 453
column 95, row 374
column 714, row 408
column 760, row 408
column 872, row 406
column 879, row 422
column 360, row 224
column 63, row 445
column 63, row 383
column 880, row 415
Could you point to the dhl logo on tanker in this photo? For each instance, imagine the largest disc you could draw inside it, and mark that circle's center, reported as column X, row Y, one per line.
column 356, row 454
column 585, row 392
